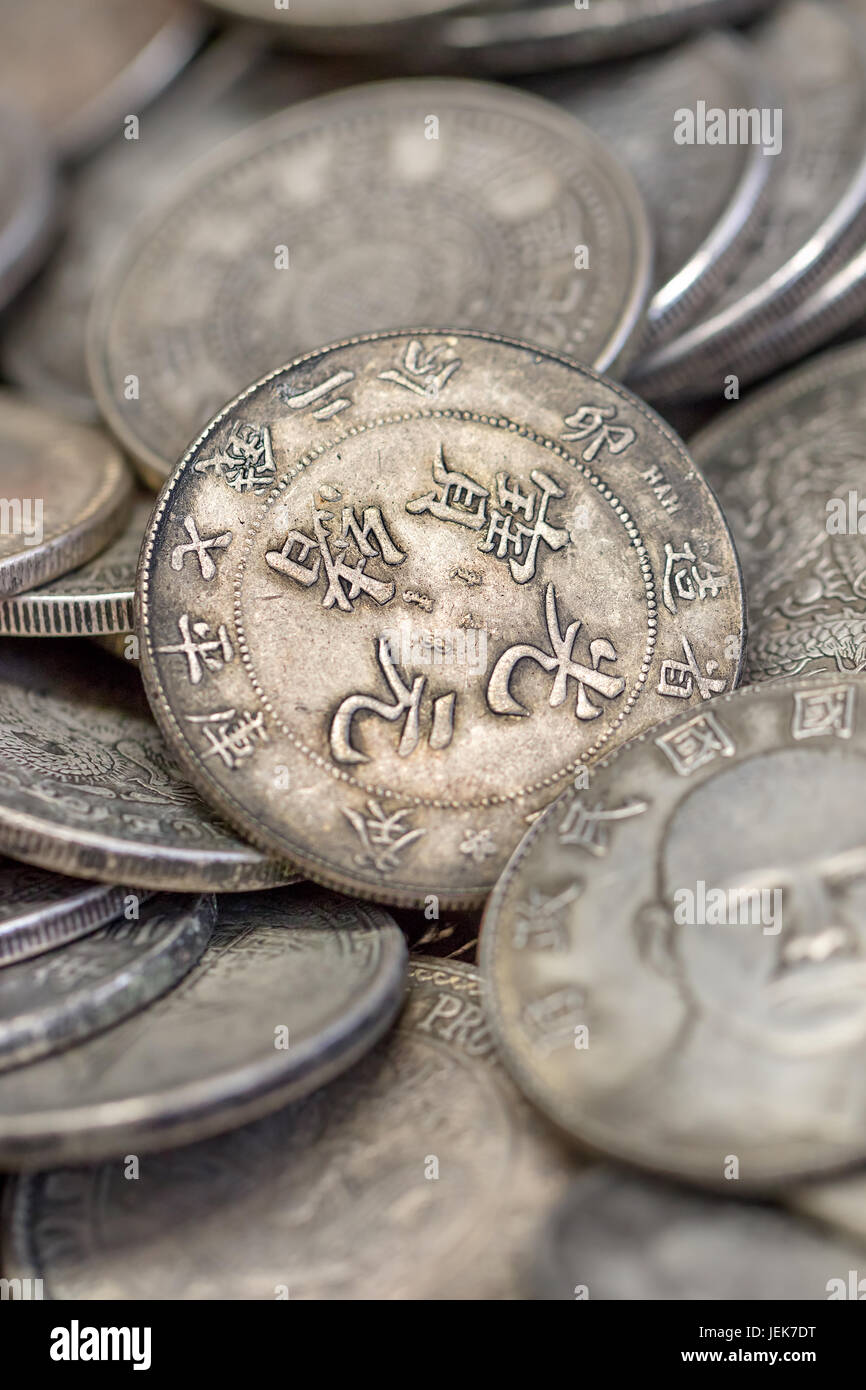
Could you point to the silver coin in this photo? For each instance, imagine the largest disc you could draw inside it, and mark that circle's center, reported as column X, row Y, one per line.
column 420, row 1174
column 26, row 201
column 537, row 35
column 616, row 1236
column 815, row 219
column 674, row 958
column 39, row 910
column 80, row 66
column 228, row 88
column 86, row 986
column 362, row 220
column 88, row 788
column 294, row 988
column 96, row 599
column 65, row 492
column 702, row 200
column 400, row 591
column 780, row 462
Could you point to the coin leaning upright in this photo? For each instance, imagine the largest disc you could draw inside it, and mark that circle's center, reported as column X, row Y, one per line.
column 675, row 959
column 391, row 203
column 65, row 492
column 401, row 590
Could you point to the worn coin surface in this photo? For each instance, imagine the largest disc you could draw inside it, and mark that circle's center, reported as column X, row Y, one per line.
column 294, row 988
column 79, row 66
column 228, row 88
column 702, row 200
column 616, row 1236
column 66, row 491
column 85, row 986
column 786, row 465
column 95, row 599
column 537, row 35
column 26, row 201
column 88, row 787
column 391, row 203
column 419, row 1174
column 400, row 591
column 39, row 910
column 675, row 958
column 815, row 219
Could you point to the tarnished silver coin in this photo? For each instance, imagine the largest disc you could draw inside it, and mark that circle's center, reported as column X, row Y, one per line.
column 401, row 590
column 420, row 1174
column 88, row 788
column 616, row 1236
column 39, row 910
column 787, row 465
column 537, row 35
column 95, row 599
column 65, row 492
column 702, row 200
column 294, row 988
column 229, row 87
column 81, row 66
column 85, row 986
column 675, row 958
column 391, row 203
column 815, row 220
column 26, row 201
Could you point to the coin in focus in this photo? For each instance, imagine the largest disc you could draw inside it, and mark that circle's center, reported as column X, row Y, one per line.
column 390, row 203
column 426, row 1129
column 66, row 492
column 675, row 959
column 787, row 465
column 402, row 590
column 88, row 787
column 294, row 988
column 616, row 1236
column 87, row 985
column 39, row 910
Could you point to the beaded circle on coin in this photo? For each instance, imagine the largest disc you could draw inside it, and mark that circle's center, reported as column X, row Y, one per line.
column 394, row 202
column 400, row 591
column 674, row 959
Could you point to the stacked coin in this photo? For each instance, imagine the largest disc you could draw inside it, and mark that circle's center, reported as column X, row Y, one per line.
column 429, row 645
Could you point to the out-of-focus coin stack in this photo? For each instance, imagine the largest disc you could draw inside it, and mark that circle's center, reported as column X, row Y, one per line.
column 399, row 897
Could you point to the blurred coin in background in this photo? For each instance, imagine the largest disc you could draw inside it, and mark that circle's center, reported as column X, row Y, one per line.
column 815, row 218
column 617, row 1236
column 27, row 201
column 702, row 200
column 85, row 986
column 675, row 959
column 40, row 910
column 88, row 787
column 232, row 85
column 65, row 492
column 294, row 988
column 81, row 66
column 421, row 1173
column 788, row 466
column 390, row 203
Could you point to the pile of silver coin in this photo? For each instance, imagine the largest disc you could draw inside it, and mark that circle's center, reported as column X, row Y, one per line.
column 429, row 643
